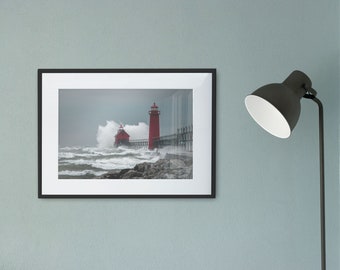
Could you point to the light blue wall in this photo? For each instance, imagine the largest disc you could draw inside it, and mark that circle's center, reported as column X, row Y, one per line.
column 265, row 215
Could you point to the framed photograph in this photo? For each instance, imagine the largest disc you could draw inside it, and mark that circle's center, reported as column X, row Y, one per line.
column 126, row 133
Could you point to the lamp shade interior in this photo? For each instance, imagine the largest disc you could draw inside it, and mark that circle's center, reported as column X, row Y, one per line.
column 267, row 116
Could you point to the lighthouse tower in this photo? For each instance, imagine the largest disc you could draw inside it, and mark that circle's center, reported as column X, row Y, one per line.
column 153, row 126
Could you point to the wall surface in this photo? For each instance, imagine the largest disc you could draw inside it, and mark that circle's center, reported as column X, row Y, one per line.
column 265, row 215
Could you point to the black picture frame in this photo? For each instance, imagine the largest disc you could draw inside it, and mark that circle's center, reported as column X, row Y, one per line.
column 57, row 87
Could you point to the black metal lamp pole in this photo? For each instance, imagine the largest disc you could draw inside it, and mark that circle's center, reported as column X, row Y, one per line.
column 322, row 180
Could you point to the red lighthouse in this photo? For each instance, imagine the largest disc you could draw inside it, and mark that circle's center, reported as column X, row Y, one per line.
column 153, row 126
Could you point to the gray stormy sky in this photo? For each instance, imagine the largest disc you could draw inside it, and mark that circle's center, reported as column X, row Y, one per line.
column 81, row 111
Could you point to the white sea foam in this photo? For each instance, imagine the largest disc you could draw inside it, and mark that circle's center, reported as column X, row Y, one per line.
column 66, row 155
column 81, row 161
column 137, row 132
column 70, row 148
column 80, row 173
column 105, row 134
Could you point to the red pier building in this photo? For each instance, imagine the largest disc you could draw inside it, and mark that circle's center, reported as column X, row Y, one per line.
column 153, row 126
column 121, row 138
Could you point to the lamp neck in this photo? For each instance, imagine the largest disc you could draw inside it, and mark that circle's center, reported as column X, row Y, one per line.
column 300, row 83
column 310, row 93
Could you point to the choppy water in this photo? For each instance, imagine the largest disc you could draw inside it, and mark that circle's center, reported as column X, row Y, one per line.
column 91, row 162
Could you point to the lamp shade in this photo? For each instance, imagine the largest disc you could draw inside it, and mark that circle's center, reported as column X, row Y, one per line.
column 276, row 107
